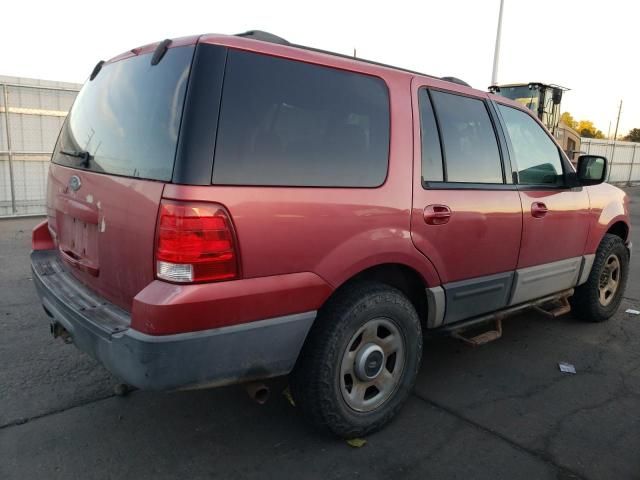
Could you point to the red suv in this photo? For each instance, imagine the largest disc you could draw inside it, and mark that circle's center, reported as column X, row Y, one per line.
column 224, row 209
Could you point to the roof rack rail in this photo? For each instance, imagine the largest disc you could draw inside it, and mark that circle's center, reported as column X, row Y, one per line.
column 270, row 37
column 263, row 36
column 455, row 80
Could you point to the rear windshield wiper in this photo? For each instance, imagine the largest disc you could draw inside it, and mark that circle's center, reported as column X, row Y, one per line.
column 84, row 155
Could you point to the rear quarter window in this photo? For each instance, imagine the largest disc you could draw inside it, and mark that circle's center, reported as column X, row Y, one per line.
column 289, row 123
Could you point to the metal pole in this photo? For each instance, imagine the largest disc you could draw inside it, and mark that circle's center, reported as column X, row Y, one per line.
column 496, row 52
column 615, row 136
column 5, row 92
column 633, row 159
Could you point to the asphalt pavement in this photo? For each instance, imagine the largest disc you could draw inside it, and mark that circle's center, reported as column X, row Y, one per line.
column 503, row 410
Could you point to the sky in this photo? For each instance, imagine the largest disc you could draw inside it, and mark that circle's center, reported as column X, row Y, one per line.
column 589, row 46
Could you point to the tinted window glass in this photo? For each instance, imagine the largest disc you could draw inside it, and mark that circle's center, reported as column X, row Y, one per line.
column 470, row 147
column 284, row 122
column 128, row 117
column 431, row 153
column 536, row 156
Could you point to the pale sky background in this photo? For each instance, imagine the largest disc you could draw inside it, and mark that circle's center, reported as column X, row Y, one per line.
column 589, row 46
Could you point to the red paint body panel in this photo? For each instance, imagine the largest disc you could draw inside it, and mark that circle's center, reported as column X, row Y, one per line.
column 163, row 308
column 110, row 222
column 481, row 238
column 561, row 233
column 609, row 205
column 41, row 237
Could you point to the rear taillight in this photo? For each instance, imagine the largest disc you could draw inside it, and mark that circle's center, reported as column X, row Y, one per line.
column 195, row 243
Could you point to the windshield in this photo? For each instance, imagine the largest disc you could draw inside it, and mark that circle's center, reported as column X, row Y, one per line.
column 126, row 121
column 523, row 95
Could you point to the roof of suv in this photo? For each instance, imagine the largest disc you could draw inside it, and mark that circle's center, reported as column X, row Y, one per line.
column 266, row 37
column 264, row 42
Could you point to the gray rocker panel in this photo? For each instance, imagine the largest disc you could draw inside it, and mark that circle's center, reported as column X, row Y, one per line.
column 541, row 280
column 456, row 301
column 468, row 298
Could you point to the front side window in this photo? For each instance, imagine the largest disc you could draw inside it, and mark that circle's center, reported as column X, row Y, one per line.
column 289, row 123
column 469, row 142
column 537, row 157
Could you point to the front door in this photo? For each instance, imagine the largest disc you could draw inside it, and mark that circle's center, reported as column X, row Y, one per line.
column 466, row 216
column 555, row 217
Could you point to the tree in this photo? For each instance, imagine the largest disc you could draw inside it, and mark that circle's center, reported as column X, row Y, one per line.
column 587, row 129
column 568, row 120
column 633, row 135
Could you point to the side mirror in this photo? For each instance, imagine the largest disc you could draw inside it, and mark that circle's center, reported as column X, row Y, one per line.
column 592, row 169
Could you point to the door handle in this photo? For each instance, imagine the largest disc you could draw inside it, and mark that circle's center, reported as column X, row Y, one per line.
column 538, row 209
column 436, row 214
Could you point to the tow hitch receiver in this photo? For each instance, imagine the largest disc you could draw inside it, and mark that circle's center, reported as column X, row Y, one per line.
column 58, row 330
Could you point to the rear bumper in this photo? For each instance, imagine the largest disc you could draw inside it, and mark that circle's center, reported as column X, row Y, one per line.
column 220, row 356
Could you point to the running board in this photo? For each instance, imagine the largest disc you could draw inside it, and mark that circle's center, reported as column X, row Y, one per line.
column 562, row 307
column 455, row 330
column 481, row 339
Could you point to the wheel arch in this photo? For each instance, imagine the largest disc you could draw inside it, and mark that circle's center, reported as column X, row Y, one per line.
column 620, row 228
column 397, row 275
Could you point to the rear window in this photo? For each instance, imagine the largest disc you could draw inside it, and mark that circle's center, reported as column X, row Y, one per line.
column 128, row 118
column 284, row 122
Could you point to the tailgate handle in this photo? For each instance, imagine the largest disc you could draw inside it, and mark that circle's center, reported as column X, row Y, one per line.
column 79, row 263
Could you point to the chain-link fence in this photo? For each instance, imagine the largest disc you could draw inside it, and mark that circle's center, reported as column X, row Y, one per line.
column 31, row 115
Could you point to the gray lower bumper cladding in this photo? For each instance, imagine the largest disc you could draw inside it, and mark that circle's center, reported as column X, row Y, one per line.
column 250, row 351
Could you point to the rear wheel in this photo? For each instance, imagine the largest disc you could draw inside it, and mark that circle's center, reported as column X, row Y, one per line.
column 599, row 298
column 360, row 360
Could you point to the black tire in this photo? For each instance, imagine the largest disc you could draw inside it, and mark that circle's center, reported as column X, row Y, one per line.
column 586, row 302
column 316, row 382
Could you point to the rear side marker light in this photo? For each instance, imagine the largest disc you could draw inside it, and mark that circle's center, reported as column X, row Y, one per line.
column 195, row 243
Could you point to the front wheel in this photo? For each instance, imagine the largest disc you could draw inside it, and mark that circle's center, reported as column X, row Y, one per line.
column 360, row 360
column 599, row 298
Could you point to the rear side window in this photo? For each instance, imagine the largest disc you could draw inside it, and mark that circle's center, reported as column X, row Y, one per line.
column 537, row 157
column 128, row 118
column 469, row 142
column 284, row 122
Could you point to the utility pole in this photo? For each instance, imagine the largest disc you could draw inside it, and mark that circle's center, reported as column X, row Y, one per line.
column 496, row 52
column 615, row 136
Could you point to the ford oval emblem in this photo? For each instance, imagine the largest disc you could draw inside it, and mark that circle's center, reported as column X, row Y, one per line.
column 75, row 183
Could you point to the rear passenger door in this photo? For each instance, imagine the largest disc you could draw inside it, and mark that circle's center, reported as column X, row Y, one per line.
column 466, row 216
column 555, row 215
